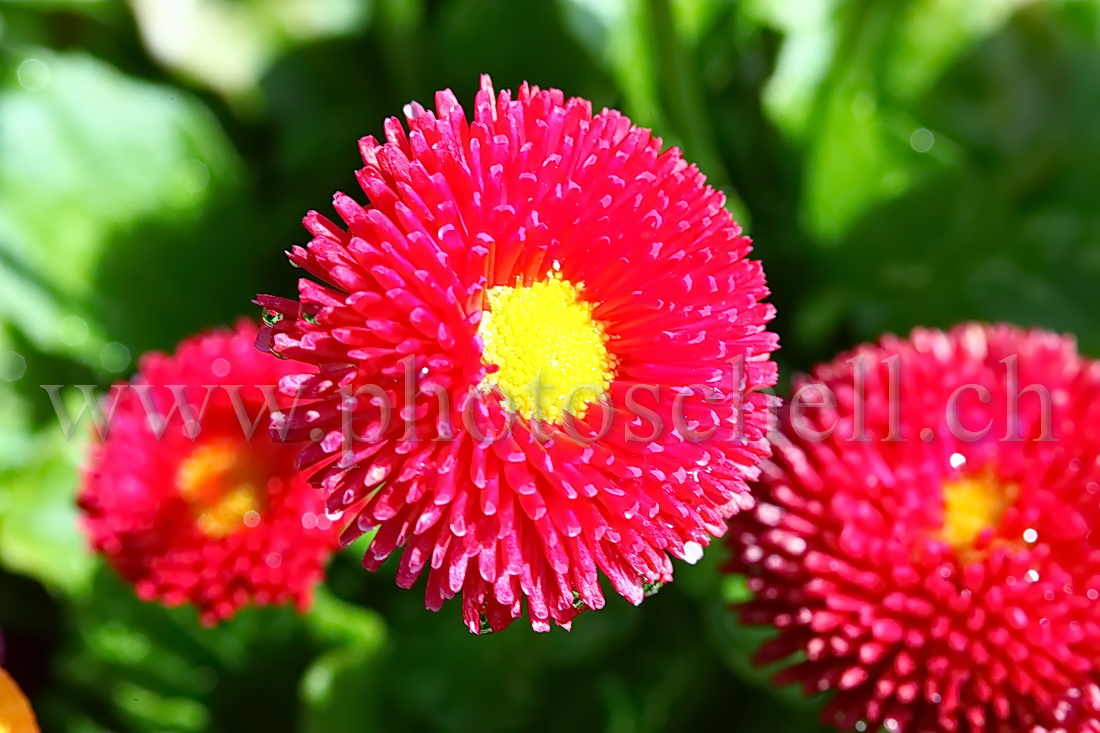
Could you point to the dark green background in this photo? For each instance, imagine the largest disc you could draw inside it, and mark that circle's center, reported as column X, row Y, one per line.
column 898, row 162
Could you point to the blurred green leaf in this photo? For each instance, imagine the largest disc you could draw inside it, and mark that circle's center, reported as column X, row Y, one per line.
column 342, row 686
column 87, row 152
column 165, row 672
column 1009, row 231
column 38, row 516
column 227, row 45
column 931, row 35
column 847, row 77
column 618, row 34
column 339, row 623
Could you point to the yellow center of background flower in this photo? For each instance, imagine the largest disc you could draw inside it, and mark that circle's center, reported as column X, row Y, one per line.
column 221, row 490
column 973, row 504
column 551, row 354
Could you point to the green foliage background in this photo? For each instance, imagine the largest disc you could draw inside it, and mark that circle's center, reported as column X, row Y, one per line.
column 899, row 162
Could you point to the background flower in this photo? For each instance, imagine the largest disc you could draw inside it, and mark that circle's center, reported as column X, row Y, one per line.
column 922, row 539
column 192, row 501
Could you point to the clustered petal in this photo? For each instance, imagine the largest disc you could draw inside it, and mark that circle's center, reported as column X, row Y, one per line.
column 930, row 560
column 191, row 499
column 509, row 511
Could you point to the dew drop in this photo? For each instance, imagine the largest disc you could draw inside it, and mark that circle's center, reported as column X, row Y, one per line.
column 12, row 366
column 922, row 140
column 114, row 357
column 33, row 75
column 72, row 330
column 192, row 176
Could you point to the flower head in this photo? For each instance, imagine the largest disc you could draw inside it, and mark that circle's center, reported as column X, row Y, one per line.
column 923, row 539
column 1077, row 712
column 518, row 283
column 191, row 506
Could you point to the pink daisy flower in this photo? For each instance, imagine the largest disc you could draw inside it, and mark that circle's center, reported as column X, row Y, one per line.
column 923, row 543
column 191, row 508
column 534, row 266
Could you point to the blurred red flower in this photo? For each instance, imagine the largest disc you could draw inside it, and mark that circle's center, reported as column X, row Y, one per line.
column 931, row 560
column 190, row 506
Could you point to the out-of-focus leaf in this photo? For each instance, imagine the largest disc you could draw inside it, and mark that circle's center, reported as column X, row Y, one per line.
column 156, row 712
column 809, row 30
column 165, row 672
column 85, row 153
column 343, row 684
column 847, row 77
column 617, row 33
column 931, row 35
column 736, row 644
column 226, row 45
column 38, row 517
column 339, row 687
column 854, row 160
column 1010, row 232
column 340, row 623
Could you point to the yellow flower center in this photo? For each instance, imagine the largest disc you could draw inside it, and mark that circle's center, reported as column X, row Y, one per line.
column 222, row 491
column 550, row 353
column 972, row 505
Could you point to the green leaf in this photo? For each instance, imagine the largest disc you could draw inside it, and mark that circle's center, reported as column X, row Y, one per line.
column 1007, row 230
column 845, row 85
column 163, row 671
column 618, row 34
column 85, row 154
column 337, row 622
column 227, row 46
column 342, row 687
column 38, row 516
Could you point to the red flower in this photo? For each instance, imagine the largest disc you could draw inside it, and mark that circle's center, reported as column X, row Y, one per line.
column 1077, row 712
column 221, row 519
column 931, row 560
column 536, row 263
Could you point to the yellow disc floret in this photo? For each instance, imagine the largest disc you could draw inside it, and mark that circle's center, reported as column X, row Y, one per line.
column 221, row 491
column 972, row 505
column 551, row 354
